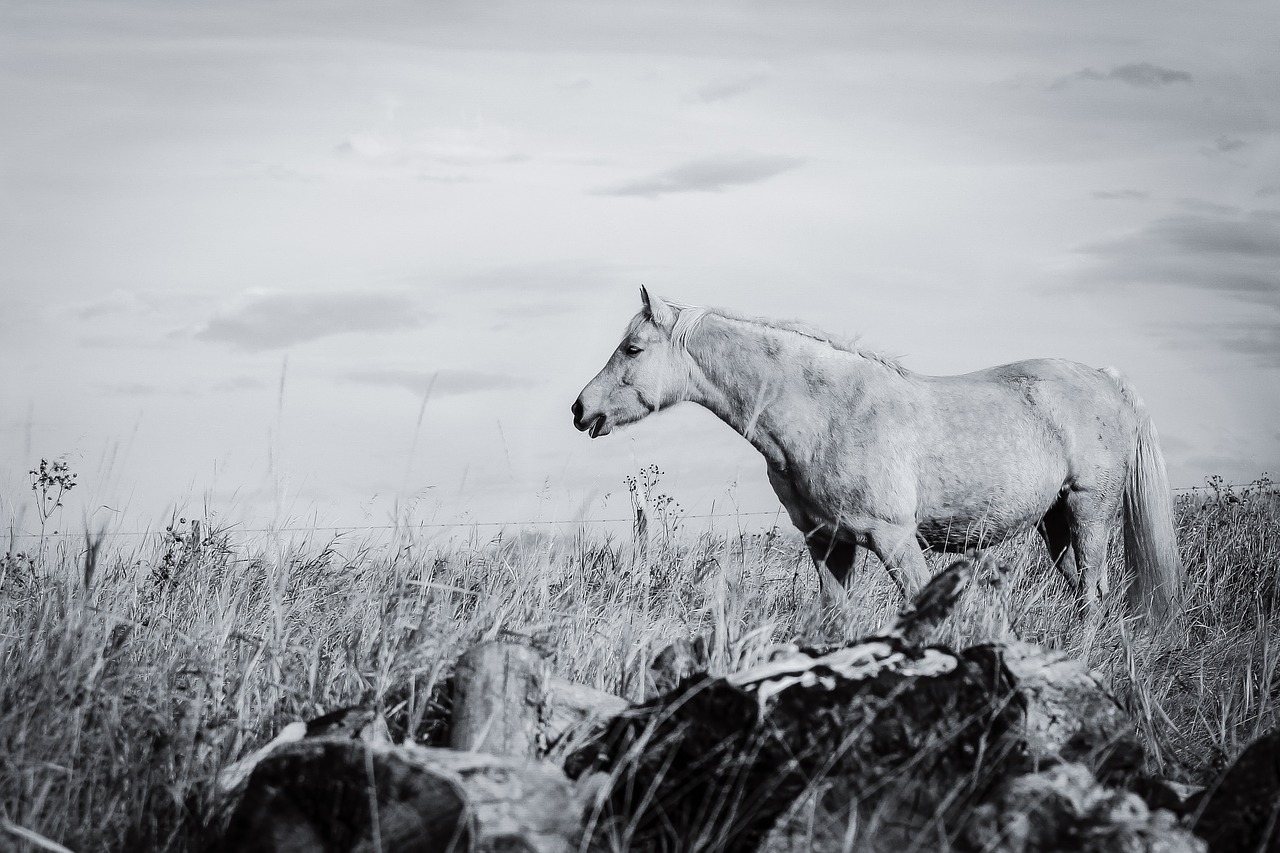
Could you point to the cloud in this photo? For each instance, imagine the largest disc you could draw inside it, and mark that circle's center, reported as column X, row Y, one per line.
column 1142, row 75
column 1257, row 339
column 278, row 320
column 711, row 174
column 440, row 383
column 556, row 277
column 238, row 383
column 1199, row 205
column 134, row 389
column 1222, row 147
column 1111, row 195
column 1236, row 255
column 115, row 302
column 721, row 90
column 480, row 145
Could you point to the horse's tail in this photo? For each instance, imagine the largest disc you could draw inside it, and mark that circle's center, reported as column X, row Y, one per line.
column 1150, row 543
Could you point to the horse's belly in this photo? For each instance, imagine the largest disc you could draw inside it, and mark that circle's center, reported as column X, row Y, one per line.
column 982, row 485
column 982, row 516
column 960, row 534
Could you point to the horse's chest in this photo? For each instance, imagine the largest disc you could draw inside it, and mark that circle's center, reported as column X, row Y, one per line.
column 825, row 497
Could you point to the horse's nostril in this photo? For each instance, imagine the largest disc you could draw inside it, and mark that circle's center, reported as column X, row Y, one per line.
column 577, row 410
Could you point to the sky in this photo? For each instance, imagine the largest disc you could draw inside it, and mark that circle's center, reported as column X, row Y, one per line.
column 340, row 263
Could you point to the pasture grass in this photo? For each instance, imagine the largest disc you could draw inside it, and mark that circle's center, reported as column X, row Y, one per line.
column 130, row 675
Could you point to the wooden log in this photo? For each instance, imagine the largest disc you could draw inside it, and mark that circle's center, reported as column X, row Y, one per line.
column 508, row 702
column 885, row 734
column 912, row 736
column 888, row 741
column 325, row 794
column 572, row 713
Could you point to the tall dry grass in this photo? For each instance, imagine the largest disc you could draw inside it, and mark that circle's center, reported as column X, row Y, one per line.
column 130, row 674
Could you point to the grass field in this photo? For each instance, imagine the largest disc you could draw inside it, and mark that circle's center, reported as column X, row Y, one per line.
column 130, row 672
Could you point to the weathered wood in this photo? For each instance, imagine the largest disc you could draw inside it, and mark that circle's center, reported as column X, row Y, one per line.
column 886, row 736
column 883, row 744
column 933, row 604
column 326, row 794
column 499, row 690
column 572, row 712
column 508, row 702
column 912, row 736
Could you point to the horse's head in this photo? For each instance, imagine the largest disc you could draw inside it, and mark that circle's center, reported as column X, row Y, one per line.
column 648, row 371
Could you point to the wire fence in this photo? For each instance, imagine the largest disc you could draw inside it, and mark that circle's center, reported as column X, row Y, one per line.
column 463, row 525
column 434, row 525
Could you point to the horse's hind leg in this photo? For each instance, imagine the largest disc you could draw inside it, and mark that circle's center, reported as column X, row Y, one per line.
column 1055, row 529
column 1091, row 515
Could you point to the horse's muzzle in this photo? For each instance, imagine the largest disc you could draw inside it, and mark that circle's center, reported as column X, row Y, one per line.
column 595, row 424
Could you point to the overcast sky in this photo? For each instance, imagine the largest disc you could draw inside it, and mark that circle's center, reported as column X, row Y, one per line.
column 241, row 243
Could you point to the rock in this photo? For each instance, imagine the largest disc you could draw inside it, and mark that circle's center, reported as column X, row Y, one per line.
column 324, row 794
column 678, row 661
column 1066, row 810
column 875, row 744
column 1242, row 810
column 1071, row 715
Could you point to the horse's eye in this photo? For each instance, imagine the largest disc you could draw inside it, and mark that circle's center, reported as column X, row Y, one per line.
column 633, row 350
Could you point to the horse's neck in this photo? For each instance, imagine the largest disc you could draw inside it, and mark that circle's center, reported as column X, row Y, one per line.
column 754, row 379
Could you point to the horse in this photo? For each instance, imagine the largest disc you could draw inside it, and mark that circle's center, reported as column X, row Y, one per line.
column 865, row 453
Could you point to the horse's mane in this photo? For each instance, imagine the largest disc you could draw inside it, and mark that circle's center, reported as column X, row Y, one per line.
column 689, row 317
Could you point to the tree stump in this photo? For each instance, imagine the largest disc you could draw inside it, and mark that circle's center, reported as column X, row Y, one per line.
column 508, row 702
column 499, row 689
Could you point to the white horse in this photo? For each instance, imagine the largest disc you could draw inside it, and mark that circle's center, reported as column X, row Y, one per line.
column 863, row 452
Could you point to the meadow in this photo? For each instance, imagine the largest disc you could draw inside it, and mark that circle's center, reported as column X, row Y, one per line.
column 131, row 671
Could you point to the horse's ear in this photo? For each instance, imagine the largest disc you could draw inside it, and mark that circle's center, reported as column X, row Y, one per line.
column 659, row 312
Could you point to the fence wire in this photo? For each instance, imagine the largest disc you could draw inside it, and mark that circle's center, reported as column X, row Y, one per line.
column 445, row 525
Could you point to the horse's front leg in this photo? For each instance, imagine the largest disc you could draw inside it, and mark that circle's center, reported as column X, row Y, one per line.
column 835, row 555
column 828, row 552
column 899, row 550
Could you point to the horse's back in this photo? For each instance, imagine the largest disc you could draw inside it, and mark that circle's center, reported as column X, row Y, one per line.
column 1056, row 393
column 1084, row 405
column 999, row 445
